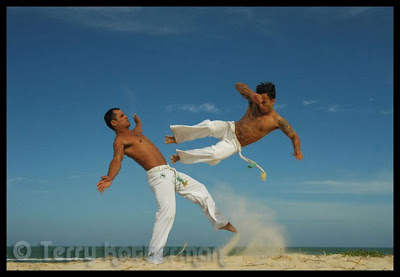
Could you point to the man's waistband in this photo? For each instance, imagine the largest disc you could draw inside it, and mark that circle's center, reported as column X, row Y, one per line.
column 233, row 127
column 157, row 168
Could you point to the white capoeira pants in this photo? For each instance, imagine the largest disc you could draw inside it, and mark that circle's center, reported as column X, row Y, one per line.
column 222, row 130
column 163, row 181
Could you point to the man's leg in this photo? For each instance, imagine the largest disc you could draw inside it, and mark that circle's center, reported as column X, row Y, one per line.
column 163, row 185
column 197, row 193
column 211, row 155
column 206, row 128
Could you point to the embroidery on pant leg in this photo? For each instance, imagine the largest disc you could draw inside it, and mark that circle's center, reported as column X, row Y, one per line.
column 184, row 183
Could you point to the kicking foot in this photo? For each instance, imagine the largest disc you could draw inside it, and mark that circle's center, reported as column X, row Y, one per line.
column 229, row 227
column 170, row 139
column 174, row 158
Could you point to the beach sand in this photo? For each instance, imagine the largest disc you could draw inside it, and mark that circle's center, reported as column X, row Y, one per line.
column 235, row 262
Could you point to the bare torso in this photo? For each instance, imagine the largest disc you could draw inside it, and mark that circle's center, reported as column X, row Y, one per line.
column 139, row 148
column 254, row 125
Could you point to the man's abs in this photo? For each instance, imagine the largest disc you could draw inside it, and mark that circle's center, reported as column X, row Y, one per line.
column 249, row 132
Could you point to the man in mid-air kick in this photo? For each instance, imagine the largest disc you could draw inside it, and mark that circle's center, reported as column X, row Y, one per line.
column 259, row 120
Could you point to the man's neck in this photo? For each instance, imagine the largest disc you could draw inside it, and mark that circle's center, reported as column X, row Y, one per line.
column 122, row 131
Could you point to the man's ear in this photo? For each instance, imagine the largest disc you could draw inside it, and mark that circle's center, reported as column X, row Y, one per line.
column 113, row 123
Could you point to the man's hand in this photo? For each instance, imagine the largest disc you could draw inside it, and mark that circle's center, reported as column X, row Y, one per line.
column 256, row 98
column 104, row 183
column 138, row 127
column 136, row 119
column 298, row 155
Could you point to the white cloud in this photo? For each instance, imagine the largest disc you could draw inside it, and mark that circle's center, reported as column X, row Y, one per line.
column 334, row 108
column 355, row 11
column 380, row 186
column 280, row 106
column 205, row 107
column 271, row 222
column 336, row 13
column 349, row 217
column 122, row 19
column 331, row 108
column 25, row 180
column 309, row 102
column 164, row 20
column 17, row 180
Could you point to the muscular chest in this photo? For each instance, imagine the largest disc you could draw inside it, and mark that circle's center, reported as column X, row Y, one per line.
column 260, row 123
column 135, row 141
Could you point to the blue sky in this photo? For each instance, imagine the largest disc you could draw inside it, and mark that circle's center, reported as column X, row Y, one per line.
column 333, row 71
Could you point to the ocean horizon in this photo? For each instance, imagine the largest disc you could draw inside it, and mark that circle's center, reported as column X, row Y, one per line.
column 88, row 253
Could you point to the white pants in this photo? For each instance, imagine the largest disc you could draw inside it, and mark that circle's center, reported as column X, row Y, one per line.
column 164, row 183
column 222, row 130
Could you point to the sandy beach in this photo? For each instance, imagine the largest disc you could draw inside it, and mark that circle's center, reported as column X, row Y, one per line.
column 276, row 262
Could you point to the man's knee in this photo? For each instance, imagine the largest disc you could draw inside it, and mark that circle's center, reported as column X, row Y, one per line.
column 218, row 128
column 219, row 154
column 168, row 212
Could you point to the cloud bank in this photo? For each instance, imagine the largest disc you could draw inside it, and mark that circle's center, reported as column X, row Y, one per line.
column 192, row 108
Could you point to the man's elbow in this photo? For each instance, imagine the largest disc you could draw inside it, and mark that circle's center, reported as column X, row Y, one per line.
column 293, row 136
column 239, row 85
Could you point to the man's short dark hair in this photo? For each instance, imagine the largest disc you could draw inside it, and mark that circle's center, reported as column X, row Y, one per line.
column 268, row 88
column 110, row 115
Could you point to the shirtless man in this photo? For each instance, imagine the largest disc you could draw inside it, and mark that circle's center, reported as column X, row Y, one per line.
column 259, row 120
column 164, row 181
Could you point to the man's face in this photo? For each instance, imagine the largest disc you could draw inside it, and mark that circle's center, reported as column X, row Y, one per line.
column 121, row 120
column 266, row 103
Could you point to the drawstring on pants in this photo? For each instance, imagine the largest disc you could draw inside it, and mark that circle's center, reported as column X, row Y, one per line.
column 252, row 164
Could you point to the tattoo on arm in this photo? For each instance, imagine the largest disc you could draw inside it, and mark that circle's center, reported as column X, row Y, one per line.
column 254, row 110
column 244, row 90
column 285, row 126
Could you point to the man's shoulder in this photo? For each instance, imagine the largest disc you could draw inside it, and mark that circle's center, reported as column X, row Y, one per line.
column 273, row 119
column 272, row 115
column 119, row 139
column 275, row 115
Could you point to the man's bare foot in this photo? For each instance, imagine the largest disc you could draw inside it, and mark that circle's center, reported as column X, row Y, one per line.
column 174, row 158
column 229, row 227
column 169, row 139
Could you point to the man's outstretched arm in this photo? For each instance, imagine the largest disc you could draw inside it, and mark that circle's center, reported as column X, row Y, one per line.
column 248, row 93
column 113, row 168
column 288, row 130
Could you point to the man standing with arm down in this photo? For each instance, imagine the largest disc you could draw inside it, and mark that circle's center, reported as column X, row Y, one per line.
column 163, row 180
